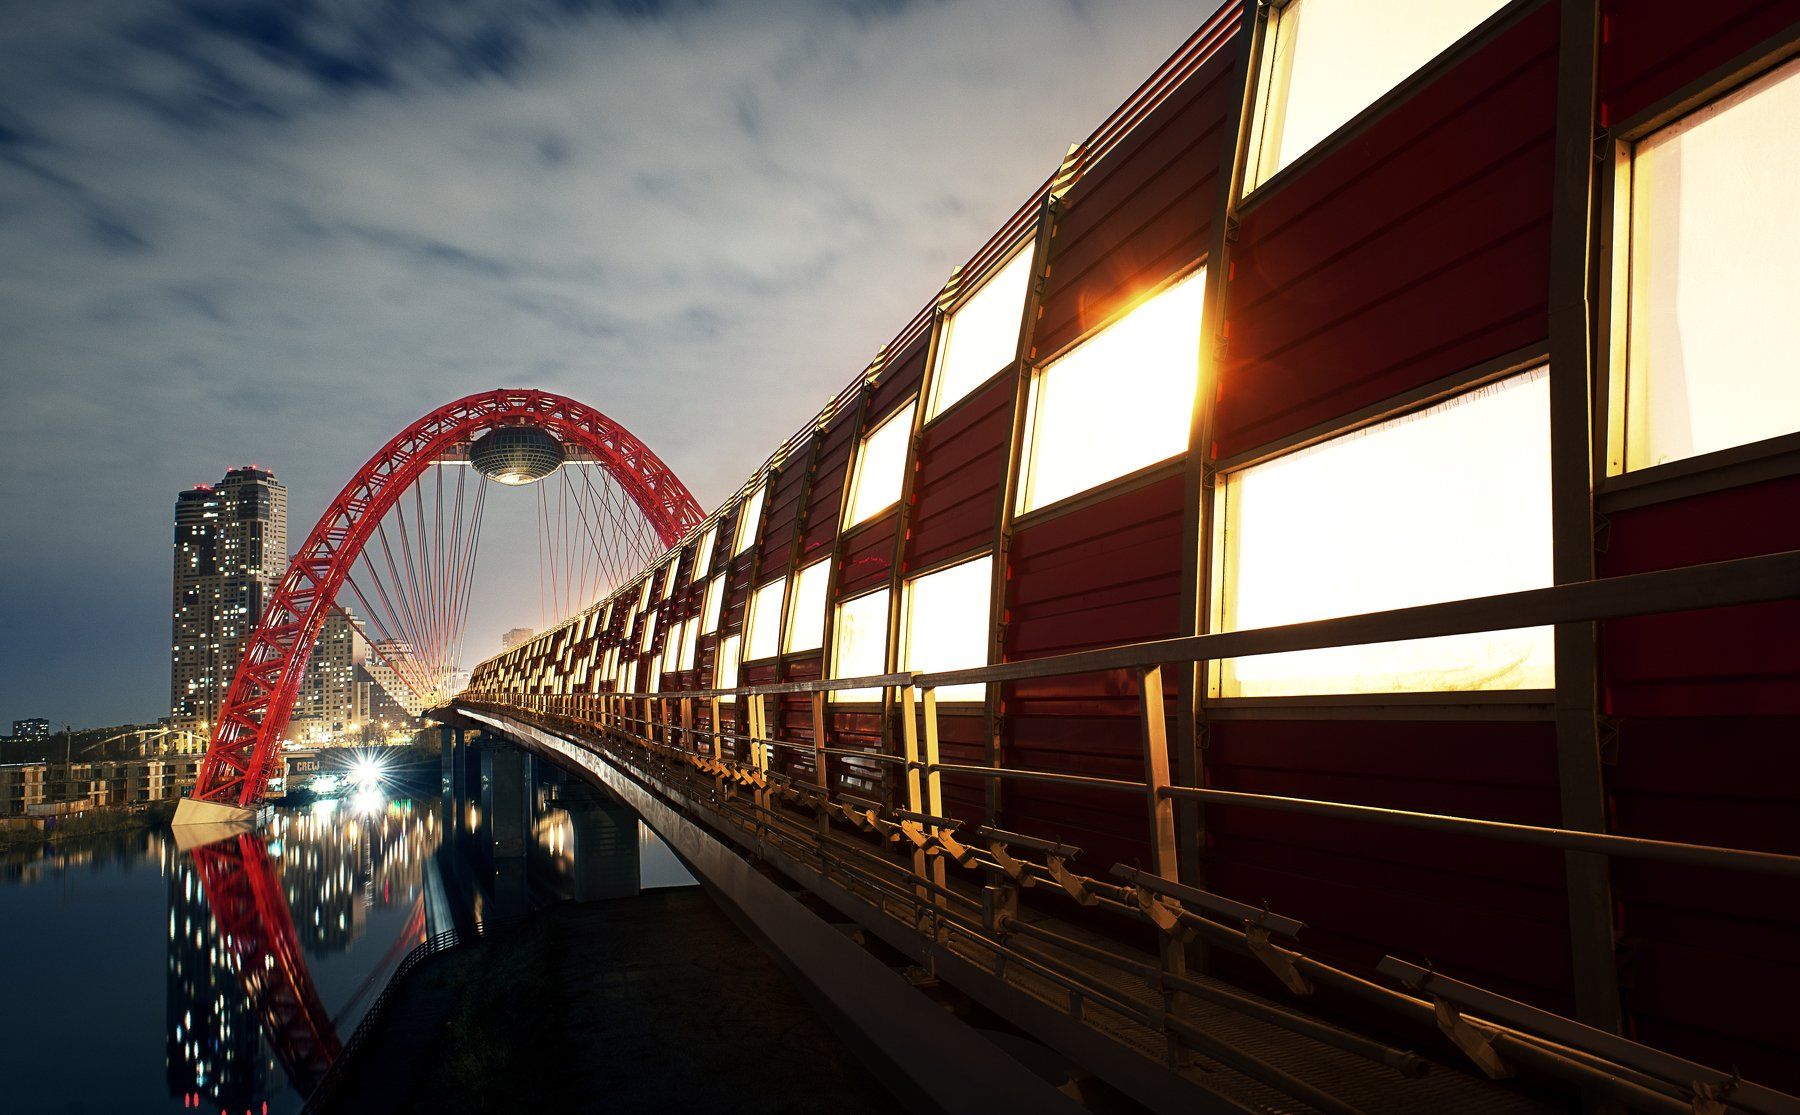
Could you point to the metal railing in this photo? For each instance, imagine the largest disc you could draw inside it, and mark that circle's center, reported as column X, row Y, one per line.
column 714, row 747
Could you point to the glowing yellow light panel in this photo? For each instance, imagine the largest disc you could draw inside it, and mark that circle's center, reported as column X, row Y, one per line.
column 1324, row 61
column 1715, row 233
column 1118, row 402
column 690, row 634
column 726, row 667
column 715, row 602
column 749, row 518
column 806, row 608
column 1444, row 504
column 880, row 466
column 762, row 627
column 859, row 643
column 982, row 335
column 945, row 624
column 704, row 554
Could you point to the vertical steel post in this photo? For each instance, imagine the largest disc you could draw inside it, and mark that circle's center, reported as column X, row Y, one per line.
column 820, row 778
column 915, row 794
column 934, row 782
column 1579, row 772
column 1164, row 852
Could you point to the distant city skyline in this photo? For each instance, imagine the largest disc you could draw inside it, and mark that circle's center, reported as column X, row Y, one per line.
column 278, row 241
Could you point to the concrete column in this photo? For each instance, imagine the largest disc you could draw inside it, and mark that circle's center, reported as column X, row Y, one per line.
column 504, row 789
column 605, row 851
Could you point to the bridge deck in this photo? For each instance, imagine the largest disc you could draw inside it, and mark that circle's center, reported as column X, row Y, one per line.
column 1064, row 970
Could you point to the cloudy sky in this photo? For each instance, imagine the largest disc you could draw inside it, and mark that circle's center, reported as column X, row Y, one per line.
column 236, row 230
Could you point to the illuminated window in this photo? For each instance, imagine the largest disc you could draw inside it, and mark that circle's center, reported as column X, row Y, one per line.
column 762, row 627
column 1324, row 61
column 859, row 643
column 690, row 638
column 725, row 670
column 944, row 625
column 1711, row 332
column 649, row 634
column 1444, row 504
column 656, row 675
column 880, row 466
column 703, row 556
column 806, row 610
column 644, row 595
column 982, row 335
column 671, row 655
column 749, row 518
column 668, row 585
column 1119, row 401
column 715, row 601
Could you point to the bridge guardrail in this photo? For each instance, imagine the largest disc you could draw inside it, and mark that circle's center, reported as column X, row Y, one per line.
column 664, row 732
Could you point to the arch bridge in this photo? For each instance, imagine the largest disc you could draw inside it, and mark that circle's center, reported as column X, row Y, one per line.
column 1263, row 633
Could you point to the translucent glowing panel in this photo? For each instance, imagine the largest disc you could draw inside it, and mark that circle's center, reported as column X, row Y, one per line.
column 749, row 518
column 649, row 634
column 704, row 554
column 690, row 639
column 982, row 335
column 859, row 643
column 644, row 594
column 1118, row 402
column 1327, row 60
column 725, row 670
column 945, row 623
column 762, row 627
column 806, row 608
column 656, row 675
column 668, row 585
column 671, row 654
column 880, row 466
column 1445, row 504
column 715, row 601
column 1715, row 235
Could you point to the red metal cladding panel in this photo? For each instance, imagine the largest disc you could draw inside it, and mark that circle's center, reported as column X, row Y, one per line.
column 1744, row 660
column 868, row 555
column 1099, row 575
column 1418, row 249
column 1652, row 48
column 961, row 466
column 902, row 376
column 1708, row 708
column 1709, row 960
column 1095, row 576
column 1146, row 210
column 784, row 510
column 1490, row 909
column 828, row 485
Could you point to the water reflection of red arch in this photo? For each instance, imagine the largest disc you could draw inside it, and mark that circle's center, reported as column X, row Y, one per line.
column 243, row 891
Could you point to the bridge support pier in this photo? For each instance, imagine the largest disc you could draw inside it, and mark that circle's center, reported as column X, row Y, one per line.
column 605, row 851
column 197, row 823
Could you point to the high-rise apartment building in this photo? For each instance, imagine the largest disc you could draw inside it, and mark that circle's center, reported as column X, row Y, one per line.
column 34, row 728
column 230, row 550
column 333, row 691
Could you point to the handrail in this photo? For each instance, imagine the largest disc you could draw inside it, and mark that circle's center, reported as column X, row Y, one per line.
column 1568, row 840
column 1751, row 580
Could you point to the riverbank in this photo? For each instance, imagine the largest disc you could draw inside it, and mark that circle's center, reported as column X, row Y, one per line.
column 93, row 822
column 656, row 1002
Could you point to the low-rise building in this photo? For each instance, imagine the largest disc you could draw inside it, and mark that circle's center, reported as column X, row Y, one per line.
column 22, row 785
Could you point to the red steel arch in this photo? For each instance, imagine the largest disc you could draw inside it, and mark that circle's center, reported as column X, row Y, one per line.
column 261, row 697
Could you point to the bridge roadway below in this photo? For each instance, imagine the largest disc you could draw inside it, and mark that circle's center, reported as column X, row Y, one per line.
column 1085, row 995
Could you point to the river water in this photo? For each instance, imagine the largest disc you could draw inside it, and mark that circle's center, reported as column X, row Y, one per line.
column 138, row 977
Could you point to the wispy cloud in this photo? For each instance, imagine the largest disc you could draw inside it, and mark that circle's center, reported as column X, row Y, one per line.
column 264, row 230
